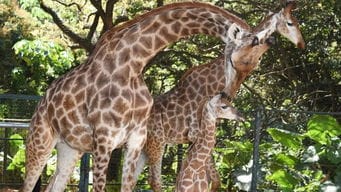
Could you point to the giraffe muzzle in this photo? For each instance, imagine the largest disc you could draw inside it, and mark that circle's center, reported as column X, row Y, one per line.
column 240, row 117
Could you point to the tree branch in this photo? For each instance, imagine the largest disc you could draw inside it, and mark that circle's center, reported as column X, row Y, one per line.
column 70, row 4
column 159, row 3
column 93, row 28
column 73, row 36
column 254, row 92
column 98, row 5
column 109, row 12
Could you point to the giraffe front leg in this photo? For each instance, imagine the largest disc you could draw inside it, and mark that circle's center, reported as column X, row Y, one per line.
column 67, row 158
column 135, row 144
column 39, row 146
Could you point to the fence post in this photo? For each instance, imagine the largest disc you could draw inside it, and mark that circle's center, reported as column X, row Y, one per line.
column 84, row 173
column 6, row 150
column 255, row 165
column 180, row 157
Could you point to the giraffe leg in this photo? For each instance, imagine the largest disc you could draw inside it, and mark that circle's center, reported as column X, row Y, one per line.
column 135, row 144
column 154, row 151
column 213, row 175
column 67, row 158
column 140, row 164
column 40, row 143
column 101, row 160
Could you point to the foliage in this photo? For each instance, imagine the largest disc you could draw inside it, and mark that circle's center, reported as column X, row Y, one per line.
column 288, row 139
column 15, row 25
column 32, row 6
column 18, row 160
column 295, row 167
column 322, row 129
column 42, row 62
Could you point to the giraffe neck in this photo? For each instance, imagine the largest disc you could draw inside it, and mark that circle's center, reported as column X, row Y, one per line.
column 268, row 26
column 207, row 119
column 230, row 74
column 210, row 116
column 134, row 43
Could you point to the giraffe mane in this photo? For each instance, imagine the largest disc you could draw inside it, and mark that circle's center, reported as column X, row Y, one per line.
column 225, row 13
column 260, row 26
column 200, row 109
column 189, row 71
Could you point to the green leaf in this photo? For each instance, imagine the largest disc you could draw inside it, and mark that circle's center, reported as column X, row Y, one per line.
column 286, row 159
column 237, row 153
column 16, row 140
column 321, row 128
column 286, row 138
column 283, row 179
column 18, row 160
column 333, row 152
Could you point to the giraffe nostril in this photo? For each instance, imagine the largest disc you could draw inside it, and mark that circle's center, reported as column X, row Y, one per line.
column 255, row 41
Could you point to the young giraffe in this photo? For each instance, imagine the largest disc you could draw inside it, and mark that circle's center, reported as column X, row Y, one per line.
column 193, row 176
column 173, row 117
column 104, row 104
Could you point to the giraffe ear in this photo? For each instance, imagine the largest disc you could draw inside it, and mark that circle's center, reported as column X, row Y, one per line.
column 234, row 33
column 289, row 5
column 215, row 99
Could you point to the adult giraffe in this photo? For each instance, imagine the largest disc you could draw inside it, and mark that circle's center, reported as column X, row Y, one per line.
column 104, row 103
column 173, row 117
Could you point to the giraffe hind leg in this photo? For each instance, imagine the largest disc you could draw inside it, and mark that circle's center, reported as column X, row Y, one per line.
column 135, row 144
column 154, row 151
column 66, row 162
column 39, row 145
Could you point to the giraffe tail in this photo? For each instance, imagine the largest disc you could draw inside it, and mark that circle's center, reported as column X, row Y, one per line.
column 140, row 164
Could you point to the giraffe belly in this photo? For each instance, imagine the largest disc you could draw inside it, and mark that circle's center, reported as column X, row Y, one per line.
column 177, row 135
column 80, row 138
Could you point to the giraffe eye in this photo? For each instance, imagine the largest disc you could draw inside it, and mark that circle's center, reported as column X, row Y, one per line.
column 290, row 24
column 224, row 106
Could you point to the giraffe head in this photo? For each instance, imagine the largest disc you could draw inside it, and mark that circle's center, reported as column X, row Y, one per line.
column 220, row 107
column 288, row 25
column 284, row 23
column 247, row 50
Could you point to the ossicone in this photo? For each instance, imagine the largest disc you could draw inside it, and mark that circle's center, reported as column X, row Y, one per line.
column 289, row 4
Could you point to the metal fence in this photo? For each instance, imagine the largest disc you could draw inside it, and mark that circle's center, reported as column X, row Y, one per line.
column 15, row 114
column 16, row 111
